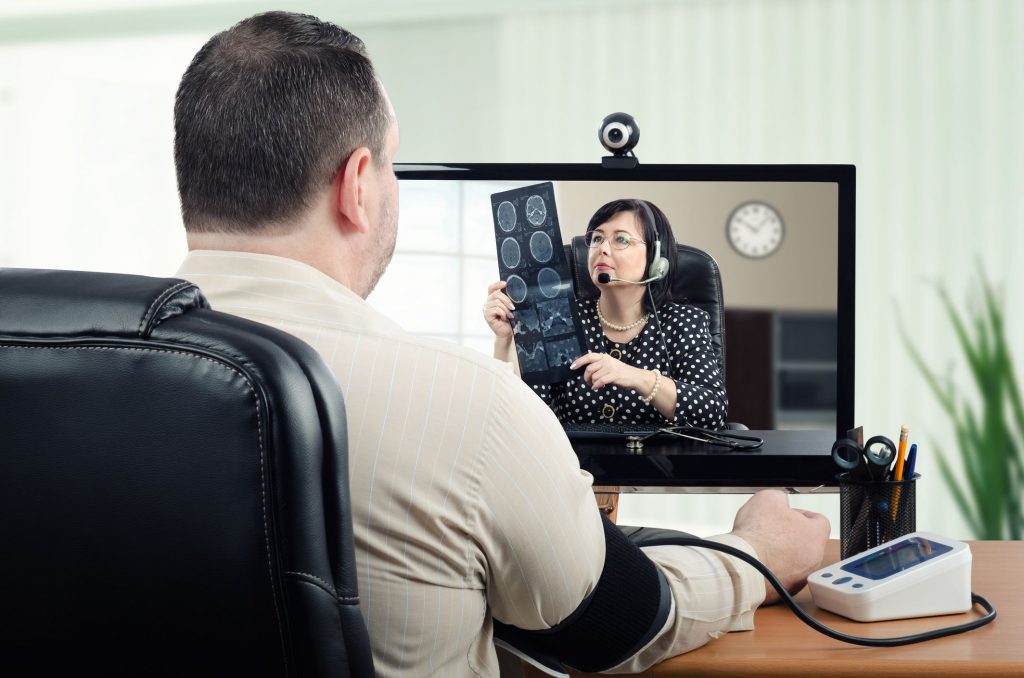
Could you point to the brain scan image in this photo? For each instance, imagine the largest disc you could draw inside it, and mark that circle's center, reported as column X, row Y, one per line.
column 563, row 352
column 536, row 210
column 510, row 255
column 540, row 247
column 525, row 321
column 506, row 216
column 555, row 317
column 515, row 288
column 550, row 283
column 528, row 241
column 532, row 359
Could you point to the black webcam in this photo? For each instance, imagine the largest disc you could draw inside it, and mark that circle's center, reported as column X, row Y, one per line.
column 619, row 133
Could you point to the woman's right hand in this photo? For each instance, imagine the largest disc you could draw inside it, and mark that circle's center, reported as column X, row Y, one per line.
column 498, row 310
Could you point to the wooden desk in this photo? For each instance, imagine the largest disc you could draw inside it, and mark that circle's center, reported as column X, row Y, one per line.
column 782, row 645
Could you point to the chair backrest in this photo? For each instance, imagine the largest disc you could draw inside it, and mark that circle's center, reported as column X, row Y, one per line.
column 697, row 282
column 173, row 488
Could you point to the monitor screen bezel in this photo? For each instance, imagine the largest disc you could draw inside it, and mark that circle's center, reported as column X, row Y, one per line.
column 844, row 176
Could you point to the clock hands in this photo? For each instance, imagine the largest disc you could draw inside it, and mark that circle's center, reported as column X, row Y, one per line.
column 749, row 225
column 752, row 227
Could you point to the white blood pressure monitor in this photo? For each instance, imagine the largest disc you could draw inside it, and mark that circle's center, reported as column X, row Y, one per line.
column 917, row 575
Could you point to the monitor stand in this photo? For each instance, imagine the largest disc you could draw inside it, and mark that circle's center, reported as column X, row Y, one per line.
column 607, row 500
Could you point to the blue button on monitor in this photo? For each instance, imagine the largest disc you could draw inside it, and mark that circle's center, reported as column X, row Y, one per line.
column 842, row 580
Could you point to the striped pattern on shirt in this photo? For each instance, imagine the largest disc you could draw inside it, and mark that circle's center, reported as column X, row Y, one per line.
column 467, row 498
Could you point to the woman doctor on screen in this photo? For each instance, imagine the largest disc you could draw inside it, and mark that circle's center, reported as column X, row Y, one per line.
column 626, row 377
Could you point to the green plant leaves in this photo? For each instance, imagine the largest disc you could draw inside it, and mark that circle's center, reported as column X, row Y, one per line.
column 988, row 429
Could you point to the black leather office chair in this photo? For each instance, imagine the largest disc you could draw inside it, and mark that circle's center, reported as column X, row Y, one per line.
column 698, row 282
column 173, row 488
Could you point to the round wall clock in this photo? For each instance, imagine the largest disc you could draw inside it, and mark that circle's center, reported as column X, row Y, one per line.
column 755, row 229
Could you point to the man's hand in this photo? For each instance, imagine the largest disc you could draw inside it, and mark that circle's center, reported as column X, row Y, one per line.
column 789, row 541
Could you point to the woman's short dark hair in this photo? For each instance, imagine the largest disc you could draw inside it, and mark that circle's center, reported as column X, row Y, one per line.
column 264, row 116
column 655, row 227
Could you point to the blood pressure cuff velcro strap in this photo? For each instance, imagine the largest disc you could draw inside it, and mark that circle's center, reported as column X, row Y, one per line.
column 627, row 608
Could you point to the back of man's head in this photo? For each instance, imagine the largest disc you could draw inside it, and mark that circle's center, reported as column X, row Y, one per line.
column 264, row 117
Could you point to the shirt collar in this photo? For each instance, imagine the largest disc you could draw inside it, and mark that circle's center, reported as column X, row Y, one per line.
column 227, row 276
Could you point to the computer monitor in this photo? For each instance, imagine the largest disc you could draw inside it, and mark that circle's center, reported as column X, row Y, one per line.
column 783, row 236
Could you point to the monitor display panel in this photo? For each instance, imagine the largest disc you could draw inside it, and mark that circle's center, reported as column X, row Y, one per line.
column 782, row 235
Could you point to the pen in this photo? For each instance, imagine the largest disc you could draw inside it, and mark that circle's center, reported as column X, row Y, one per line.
column 911, row 462
column 901, row 458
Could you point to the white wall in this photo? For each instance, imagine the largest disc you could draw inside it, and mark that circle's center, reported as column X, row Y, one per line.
column 797, row 277
column 86, row 154
column 924, row 96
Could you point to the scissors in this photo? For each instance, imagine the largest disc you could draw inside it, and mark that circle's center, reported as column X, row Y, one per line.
column 878, row 453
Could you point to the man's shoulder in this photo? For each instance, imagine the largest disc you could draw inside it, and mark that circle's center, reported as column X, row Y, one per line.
column 458, row 354
column 468, row 364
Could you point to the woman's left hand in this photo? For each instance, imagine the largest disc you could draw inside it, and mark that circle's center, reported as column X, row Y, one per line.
column 602, row 370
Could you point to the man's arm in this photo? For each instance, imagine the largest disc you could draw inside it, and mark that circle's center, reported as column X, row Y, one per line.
column 539, row 524
column 715, row 593
column 545, row 545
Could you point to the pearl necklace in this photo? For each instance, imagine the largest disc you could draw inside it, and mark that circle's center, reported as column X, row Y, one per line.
column 621, row 328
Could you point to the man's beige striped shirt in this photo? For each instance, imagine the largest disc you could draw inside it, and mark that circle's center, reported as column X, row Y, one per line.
column 467, row 499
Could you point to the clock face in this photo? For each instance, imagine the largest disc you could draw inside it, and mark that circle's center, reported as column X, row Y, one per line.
column 754, row 229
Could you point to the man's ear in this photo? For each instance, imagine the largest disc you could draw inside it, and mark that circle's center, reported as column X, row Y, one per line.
column 353, row 185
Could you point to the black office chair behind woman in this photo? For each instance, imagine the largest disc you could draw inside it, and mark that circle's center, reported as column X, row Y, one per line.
column 173, row 488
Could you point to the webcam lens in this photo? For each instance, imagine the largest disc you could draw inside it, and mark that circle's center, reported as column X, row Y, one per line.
column 619, row 134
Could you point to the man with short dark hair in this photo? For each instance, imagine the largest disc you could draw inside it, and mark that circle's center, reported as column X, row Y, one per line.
column 468, row 502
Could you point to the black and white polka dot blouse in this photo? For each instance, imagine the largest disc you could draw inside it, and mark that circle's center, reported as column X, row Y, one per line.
column 700, row 391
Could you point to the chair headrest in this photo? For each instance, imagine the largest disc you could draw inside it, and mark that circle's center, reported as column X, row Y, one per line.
column 36, row 302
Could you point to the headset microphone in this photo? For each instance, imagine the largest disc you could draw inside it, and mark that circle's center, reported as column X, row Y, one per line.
column 656, row 271
column 604, row 279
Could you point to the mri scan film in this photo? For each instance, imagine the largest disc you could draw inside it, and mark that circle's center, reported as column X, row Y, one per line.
column 546, row 324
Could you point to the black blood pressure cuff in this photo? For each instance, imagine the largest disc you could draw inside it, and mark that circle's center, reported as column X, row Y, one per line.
column 624, row 612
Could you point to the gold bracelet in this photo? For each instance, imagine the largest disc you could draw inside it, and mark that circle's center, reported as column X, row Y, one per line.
column 654, row 391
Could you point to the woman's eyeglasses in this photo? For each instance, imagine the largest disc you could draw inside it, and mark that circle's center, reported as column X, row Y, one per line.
column 620, row 241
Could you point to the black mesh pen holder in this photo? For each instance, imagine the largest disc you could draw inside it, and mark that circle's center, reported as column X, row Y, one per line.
column 872, row 512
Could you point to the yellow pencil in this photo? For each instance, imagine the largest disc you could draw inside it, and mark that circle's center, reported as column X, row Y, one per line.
column 901, row 453
column 897, row 474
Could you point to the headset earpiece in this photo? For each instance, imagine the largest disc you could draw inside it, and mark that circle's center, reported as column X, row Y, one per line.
column 659, row 265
